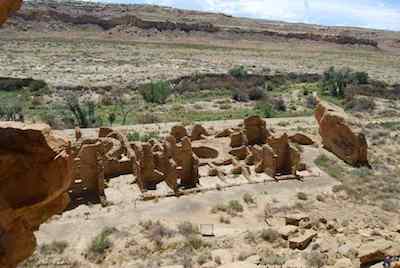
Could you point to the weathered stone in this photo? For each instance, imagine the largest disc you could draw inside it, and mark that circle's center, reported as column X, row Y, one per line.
column 302, row 241
column 337, row 136
column 147, row 175
column 240, row 153
column 178, row 132
column 343, row 263
column 376, row 250
column 238, row 139
column 78, row 134
column 265, row 159
column 188, row 164
column 301, row 139
column 295, row 219
column 256, row 130
column 224, row 133
column 205, row 152
column 198, row 133
column 287, row 231
column 28, row 201
column 105, row 131
column 7, row 7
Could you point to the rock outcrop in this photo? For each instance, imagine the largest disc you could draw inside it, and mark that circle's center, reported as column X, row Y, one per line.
column 7, row 7
column 28, row 201
column 338, row 137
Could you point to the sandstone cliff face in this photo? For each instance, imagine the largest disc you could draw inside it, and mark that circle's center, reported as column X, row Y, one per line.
column 7, row 7
column 35, row 174
column 337, row 136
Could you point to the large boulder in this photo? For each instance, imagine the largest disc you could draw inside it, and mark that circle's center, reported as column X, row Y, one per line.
column 338, row 137
column 35, row 174
column 7, row 7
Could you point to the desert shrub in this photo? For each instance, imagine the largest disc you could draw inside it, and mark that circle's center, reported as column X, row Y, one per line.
column 187, row 228
column 56, row 247
column 390, row 205
column 265, row 109
column 224, row 219
column 320, row 198
column 362, row 172
column 360, row 104
column 250, row 237
column 240, row 96
column 235, row 206
column 84, row 114
column 156, row 92
column 360, row 78
column 11, row 111
column 111, row 118
column 335, row 81
column 218, row 260
column 225, row 106
column 100, row 244
column 157, row 231
column 329, row 166
column 239, row 72
column 248, row 198
column 269, row 235
column 196, row 242
column 219, row 207
column 302, row 196
column 315, row 259
column 311, row 102
column 204, row 257
column 279, row 104
column 256, row 94
column 133, row 136
column 36, row 85
column 136, row 136
column 148, row 118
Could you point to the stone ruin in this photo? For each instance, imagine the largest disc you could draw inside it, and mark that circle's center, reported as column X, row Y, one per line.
column 96, row 160
column 59, row 171
column 175, row 160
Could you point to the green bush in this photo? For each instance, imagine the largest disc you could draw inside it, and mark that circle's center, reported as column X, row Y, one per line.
column 235, row 206
column 269, row 235
column 239, row 72
column 248, row 199
column 157, row 92
column 360, row 104
column 187, row 229
column 84, row 114
column 265, row 109
column 101, row 242
column 136, row 136
column 335, row 81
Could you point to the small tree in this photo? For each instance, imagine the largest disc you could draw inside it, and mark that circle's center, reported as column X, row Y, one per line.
column 239, row 72
column 85, row 117
column 111, row 118
column 156, row 92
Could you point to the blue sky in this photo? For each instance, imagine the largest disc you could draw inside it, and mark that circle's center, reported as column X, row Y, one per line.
column 380, row 14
